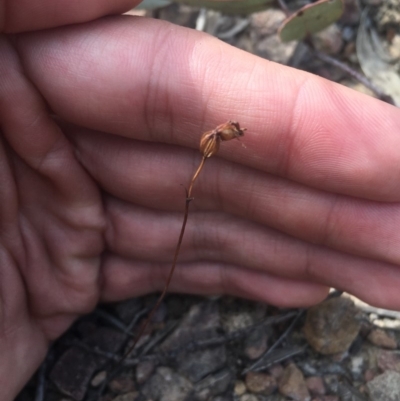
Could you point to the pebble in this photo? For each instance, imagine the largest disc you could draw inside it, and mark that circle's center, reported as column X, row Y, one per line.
column 388, row 360
column 197, row 365
column 266, row 40
column 332, row 326
column 122, row 385
column 369, row 374
column 240, row 388
column 255, row 343
column 167, row 385
column 315, row 385
column 329, row 40
column 201, row 322
column 357, row 366
column 331, row 383
column 144, row 370
column 266, row 23
column 293, row 385
column 260, row 383
column 380, row 338
column 213, row 385
column 385, row 387
column 276, row 371
column 98, row 378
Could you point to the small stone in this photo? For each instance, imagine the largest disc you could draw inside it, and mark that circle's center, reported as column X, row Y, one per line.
column 196, row 365
column 388, row 360
column 237, row 321
column 240, row 388
column 256, row 343
column 144, row 370
column 127, row 397
column 332, row 326
column 276, row 371
column 385, row 387
column 122, row 385
column 266, row 23
column 315, row 385
column 213, row 385
column 74, row 382
column 98, row 378
column 363, row 389
column 380, row 338
column 167, row 385
column 369, row 374
column 357, row 366
column 201, row 322
column 293, row 385
column 329, row 40
column 394, row 47
column 260, row 383
column 331, row 383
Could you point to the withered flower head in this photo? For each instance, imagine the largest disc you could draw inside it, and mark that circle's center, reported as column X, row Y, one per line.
column 209, row 142
column 230, row 130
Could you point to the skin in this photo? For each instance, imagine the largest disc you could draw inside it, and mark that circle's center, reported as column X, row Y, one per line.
column 100, row 123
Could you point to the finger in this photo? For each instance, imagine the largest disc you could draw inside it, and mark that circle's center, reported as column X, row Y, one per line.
column 124, row 278
column 117, row 75
column 136, row 233
column 25, row 15
column 150, row 175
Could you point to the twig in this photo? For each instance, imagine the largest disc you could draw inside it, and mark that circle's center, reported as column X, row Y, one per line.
column 238, row 334
column 283, row 6
column 112, row 320
column 240, row 26
column 354, row 74
column 260, row 361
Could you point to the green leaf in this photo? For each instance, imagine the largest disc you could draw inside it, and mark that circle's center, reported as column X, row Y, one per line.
column 150, row 4
column 310, row 19
column 231, row 6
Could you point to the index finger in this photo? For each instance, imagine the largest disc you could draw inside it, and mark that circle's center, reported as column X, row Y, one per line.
column 151, row 80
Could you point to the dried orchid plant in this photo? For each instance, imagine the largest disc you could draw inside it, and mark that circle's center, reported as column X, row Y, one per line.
column 209, row 146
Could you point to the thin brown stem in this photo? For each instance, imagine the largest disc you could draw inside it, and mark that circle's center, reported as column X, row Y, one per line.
column 171, row 272
column 209, row 146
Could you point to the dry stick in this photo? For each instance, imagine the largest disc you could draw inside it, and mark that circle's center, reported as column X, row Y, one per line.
column 354, row 74
column 209, row 145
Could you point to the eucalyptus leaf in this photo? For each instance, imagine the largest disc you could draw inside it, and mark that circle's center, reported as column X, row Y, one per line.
column 231, row 6
column 151, row 4
column 310, row 19
column 375, row 62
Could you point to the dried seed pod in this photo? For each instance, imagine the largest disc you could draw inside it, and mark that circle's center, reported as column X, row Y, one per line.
column 209, row 142
column 230, row 130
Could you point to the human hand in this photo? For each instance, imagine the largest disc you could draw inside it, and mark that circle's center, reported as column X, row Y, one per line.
column 91, row 202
